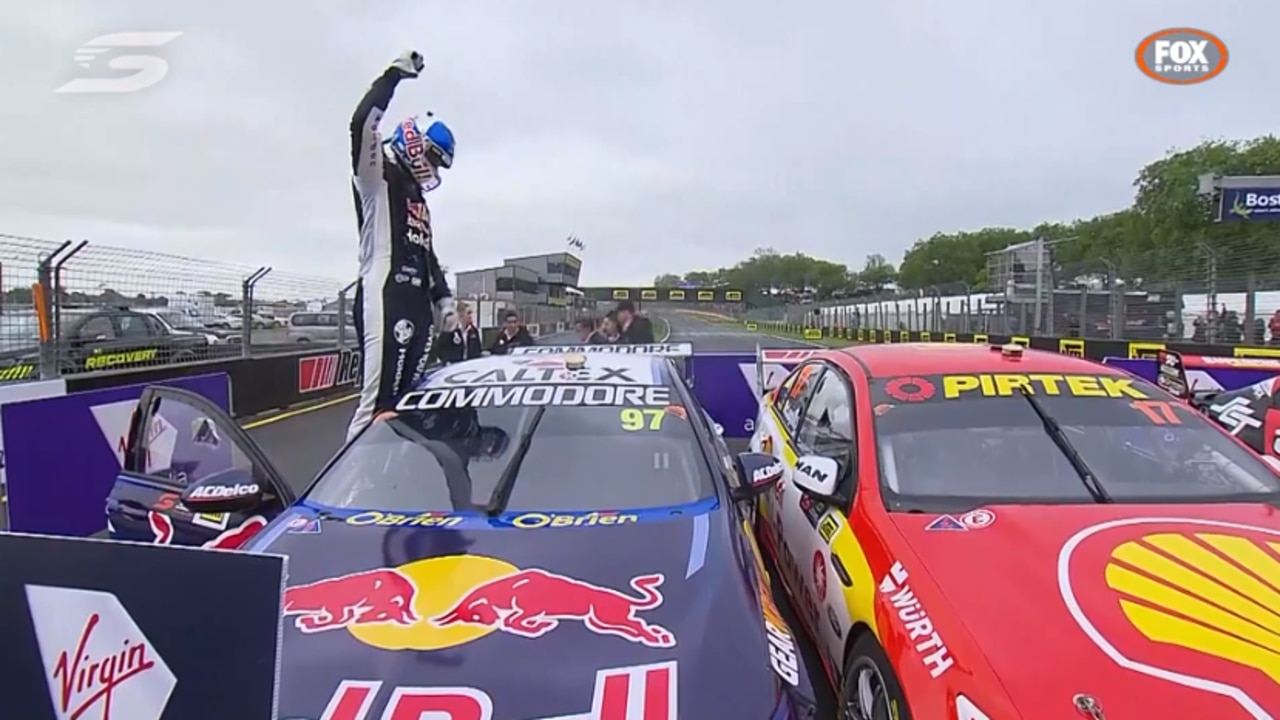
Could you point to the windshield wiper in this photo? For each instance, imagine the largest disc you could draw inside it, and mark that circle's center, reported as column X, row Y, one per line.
column 502, row 492
column 1073, row 456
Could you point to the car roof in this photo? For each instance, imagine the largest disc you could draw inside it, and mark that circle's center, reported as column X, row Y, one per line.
column 895, row 359
column 643, row 369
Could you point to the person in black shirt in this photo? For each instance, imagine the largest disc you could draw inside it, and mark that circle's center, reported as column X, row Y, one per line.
column 633, row 329
column 588, row 334
column 514, row 334
column 461, row 343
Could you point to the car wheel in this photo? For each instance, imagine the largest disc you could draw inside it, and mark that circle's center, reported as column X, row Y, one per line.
column 304, row 339
column 184, row 356
column 870, row 690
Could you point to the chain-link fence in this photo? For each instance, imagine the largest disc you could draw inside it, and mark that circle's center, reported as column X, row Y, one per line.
column 68, row 307
column 1207, row 295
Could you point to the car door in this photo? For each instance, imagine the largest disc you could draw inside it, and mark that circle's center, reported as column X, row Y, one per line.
column 780, row 418
column 825, row 429
column 178, row 438
column 86, row 339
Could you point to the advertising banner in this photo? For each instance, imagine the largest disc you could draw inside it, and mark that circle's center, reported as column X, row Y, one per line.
column 24, row 392
column 100, row 629
column 1200, row 375
column 728, row 389
column 62, row 454
column 1249, row 204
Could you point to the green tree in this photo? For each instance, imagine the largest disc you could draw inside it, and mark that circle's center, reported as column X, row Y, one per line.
column 666, row 280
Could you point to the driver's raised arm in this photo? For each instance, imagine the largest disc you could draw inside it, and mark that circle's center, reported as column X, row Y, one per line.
column 366, row 141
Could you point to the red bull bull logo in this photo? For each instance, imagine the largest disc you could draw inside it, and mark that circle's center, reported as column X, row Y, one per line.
column 363, row 598
column 533, row 602
column 638, row 692
column 472, row 596
column 1189, row 601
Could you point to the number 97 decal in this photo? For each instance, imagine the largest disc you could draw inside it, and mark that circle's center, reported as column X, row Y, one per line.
column 637, row 419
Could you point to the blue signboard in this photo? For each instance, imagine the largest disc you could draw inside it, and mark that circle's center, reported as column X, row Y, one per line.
column 1248, row 204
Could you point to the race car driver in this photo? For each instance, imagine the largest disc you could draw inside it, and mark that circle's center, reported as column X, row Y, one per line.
column 400, row 278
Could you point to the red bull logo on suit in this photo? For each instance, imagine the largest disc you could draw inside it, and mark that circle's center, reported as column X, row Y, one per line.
column 472, row 596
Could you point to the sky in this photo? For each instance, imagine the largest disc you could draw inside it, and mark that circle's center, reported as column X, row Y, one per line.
column 668, row 136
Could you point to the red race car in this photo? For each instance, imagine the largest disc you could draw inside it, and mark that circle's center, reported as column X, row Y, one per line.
column 987, row 533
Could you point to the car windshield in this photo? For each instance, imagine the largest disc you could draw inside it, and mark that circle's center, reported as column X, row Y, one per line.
column 594, row 446
column 947, row 442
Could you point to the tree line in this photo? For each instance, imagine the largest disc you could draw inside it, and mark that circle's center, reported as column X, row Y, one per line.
column 1165, row 237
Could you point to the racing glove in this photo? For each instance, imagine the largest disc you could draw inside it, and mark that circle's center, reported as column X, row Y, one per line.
column 447, row 311
column 410, row 63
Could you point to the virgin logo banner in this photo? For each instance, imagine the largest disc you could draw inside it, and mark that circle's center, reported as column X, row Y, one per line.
column 127, row 631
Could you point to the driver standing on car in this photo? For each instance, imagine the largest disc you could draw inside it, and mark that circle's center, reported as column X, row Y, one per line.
column 400, row 278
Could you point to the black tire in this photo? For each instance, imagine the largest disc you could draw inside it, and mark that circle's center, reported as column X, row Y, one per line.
column 870, row 689
column 184, row 356
column 304, row 339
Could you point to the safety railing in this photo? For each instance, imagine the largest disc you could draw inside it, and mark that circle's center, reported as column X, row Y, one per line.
column 76, row 306
column 1211, row 295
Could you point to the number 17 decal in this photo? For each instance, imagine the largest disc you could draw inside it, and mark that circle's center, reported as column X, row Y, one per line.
column 1159, row 412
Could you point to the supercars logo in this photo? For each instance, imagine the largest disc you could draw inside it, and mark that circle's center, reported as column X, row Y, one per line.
column 471, row 596
column 1194, row 602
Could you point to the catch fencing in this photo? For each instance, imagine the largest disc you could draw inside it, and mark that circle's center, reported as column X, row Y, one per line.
column 1208, row 296
column 72, row 307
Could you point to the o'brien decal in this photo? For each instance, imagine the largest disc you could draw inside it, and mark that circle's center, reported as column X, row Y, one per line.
column 1182, row 600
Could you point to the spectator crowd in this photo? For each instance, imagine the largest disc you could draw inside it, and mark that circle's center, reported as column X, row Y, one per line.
column 622, row 325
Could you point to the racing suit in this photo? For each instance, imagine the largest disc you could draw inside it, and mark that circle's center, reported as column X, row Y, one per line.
column 400, row 277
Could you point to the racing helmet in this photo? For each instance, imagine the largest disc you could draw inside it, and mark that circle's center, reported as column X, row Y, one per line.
column 423, row 153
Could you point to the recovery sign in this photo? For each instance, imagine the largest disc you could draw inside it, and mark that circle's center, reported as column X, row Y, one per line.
column 324, row 372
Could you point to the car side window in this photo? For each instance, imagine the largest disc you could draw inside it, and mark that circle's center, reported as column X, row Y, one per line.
column 156, row 325
column 827, row 427
column 133, row 326
column 794, row 393
column 97, row 328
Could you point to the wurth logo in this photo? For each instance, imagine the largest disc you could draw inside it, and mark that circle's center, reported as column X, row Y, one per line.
column 98, row 664
column 324, row 372
column 641, row 692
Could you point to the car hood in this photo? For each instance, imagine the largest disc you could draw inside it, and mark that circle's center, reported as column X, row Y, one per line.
column 1154, row 611
column 529, row 616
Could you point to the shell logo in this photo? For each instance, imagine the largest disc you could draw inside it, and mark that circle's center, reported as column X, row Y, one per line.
column 1194, row 602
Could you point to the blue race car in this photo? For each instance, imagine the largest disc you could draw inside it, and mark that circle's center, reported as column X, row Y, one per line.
column 527, row 536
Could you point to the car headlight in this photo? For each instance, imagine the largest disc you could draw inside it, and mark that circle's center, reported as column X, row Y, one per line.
column 966, row 710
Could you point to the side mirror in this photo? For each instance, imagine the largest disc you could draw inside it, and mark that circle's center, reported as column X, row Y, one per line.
column 816, row 475
column 230, row 491
column 757, row 472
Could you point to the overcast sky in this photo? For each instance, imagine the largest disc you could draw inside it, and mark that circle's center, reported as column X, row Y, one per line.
column 670, row 136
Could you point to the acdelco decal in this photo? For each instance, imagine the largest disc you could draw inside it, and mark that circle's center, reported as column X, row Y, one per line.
column 544, row 520
column 17, row 372
column 323, row 372
column 98, row 361
column 384, row 519
column 920, row 630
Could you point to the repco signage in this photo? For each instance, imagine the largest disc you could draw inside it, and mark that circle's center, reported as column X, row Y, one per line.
column 317, row 373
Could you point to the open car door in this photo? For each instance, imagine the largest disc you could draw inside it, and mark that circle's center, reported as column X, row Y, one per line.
column 191, row 476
